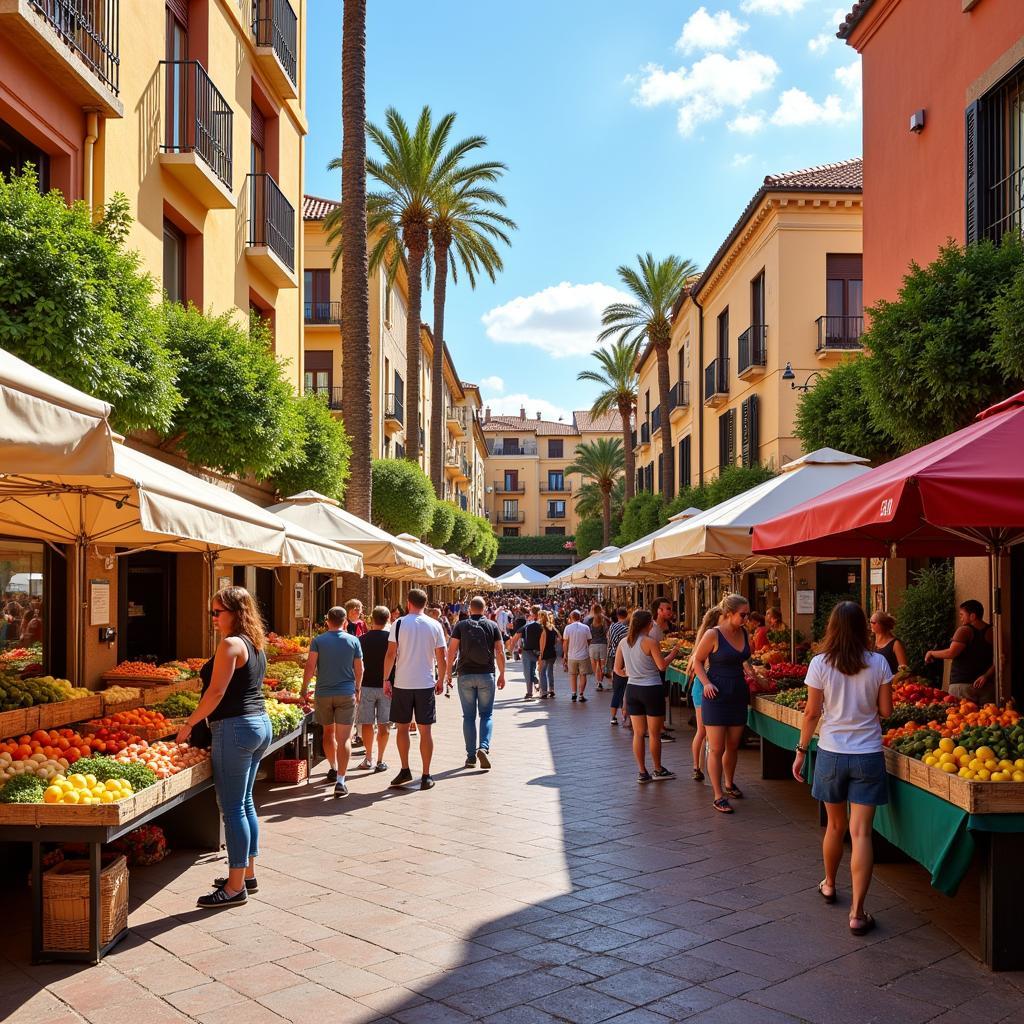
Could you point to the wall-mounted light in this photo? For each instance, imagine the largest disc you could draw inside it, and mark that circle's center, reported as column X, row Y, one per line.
column 917, row 122
column 788, row 374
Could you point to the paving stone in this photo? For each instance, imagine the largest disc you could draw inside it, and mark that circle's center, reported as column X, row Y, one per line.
column 640, row 985
column 582, row 1005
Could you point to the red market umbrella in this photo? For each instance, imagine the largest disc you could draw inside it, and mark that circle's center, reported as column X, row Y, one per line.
column 960, row 495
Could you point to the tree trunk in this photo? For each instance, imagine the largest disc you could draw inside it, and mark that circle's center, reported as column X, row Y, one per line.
column 667, row 462
column 625, row 411
column 606, row 516
column 356, row 353
column 438, row 413
column 417, row 247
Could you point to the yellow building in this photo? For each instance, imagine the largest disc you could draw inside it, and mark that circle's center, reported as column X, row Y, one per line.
column 464, row 444
column 780, row 300
column 529, row 489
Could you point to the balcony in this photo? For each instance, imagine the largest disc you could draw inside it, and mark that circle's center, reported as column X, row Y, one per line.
column 270, row 235
column 655, row 420
column 839, row 334
column 554, row 513
column 322, row 314
column 331, row 395
column 275, row 27
column 506, row 487
column 74, row 43
column 393, row 415
column 716, row 382
column 753, row 351
column 456, row 417
column 678, row 400
column 197, row 133
column 645, row 434
column 549, row 488
column 519, row 449
column 501, row 516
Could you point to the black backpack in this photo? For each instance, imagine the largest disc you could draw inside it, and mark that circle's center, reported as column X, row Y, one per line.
column 476, row 643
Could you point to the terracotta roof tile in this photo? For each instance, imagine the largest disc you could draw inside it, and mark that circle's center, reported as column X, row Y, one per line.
column 521, row 424
column 608, row 423
column 315, row 208
column 860, row 8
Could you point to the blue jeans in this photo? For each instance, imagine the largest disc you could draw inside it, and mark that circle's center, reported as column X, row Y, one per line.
column 238, row 747
column 530, row 670
column 547, row 676
column 476, row 691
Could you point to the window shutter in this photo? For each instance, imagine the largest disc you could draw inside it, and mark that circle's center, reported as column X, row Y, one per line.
column 723, row 442
column 660, row 471
column 749, row 431
column 179, row 8
column 973, row 227
column 259, row 127
column 732, row 436
column 745, row 431
column 684, row 462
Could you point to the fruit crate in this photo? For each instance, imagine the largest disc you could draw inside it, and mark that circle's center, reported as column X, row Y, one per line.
column 66, row 904
column 299, row 658
column 49, row 716
column 967, row 794
column 143, row 682
column 769, row 708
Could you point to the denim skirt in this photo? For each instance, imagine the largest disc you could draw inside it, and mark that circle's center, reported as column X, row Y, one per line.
column 850, row 778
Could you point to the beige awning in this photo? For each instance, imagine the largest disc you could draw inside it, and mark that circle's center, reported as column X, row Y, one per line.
column 46, row 426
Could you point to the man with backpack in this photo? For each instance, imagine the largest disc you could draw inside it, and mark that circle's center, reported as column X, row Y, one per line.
column 477, row 643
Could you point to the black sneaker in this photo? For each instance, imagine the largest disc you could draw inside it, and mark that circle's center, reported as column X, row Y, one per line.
column 427, row 782
column 470, row 762
column 219, row 899
column 357, row 742
column 666, row 738
column 332, row 775
column 614, row 721
column 643, row 777
column 583, row 700
column 251, row 885
column 600, row 688
column 401, row 778
column 483, row 756
column 381, row 767
column 663, row 773
column 574, row 698
column 340, row 790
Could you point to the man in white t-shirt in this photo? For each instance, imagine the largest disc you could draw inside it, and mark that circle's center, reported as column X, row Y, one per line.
column 416, row 645
column 576, row 655
column 503, row 619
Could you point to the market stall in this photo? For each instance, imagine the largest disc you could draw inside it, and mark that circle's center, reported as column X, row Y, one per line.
column 522, row 577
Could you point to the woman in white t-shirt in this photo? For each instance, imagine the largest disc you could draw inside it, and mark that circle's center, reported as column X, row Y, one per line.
column 849, row 688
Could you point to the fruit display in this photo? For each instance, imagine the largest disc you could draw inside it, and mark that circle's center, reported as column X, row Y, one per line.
column 182, row 668
column 283, row 717
column 284, row 675
column 908, row 689
column 18, row 693
column 286, row 644
column 121, row 694
column 178, row 705
column 787, row 674
column 23, row 789
column 922, row 714
column 143, row 670
column 86, row 789
column 795, row 698
column 138, row 774
column 55, row 744
column 37, row 766
column 163, row 758
column 140, row 718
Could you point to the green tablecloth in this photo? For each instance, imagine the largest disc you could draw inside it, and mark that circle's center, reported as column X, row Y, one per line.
column 934, row 832
column 675, row 675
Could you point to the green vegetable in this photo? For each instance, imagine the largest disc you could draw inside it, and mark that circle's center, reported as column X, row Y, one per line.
column 179, row 705
column 105, row 768
column 23, row 789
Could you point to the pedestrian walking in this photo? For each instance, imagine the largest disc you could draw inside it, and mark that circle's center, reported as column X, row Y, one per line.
column 336, row 659
column 548, row 655
column 477, row 643
column 719, row 662
column 355, row 624
column 415, row 647
column 576, row 655
column 616, row 632
column 232, row 702
column 598, row 649
column 374, row 705
column 849, row 690
column 529, row 637
column 639, row 658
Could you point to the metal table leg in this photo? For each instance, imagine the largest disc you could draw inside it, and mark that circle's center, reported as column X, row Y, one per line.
column 95, row 915
column 37, row 901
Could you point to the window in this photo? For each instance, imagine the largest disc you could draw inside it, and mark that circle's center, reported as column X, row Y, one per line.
column 510, row 446
column 174, row 263
column 510, row 531
column 555, row 448
column 387, row 303
column 723, row 337
column 22, row 578
column 511, row 479
column 176, row 51
column 649, row 478
column 16, row 151
column 639, row 480
column 844, row 284
column 556, row 480
column 317, row 372
column 554, row 531
column 556, row 509
column 661, row 467
column 750, row 431
column 510, row 510
column 317, row 295
column 685, row 476
column 681, row 362
column 757, row 301
column 726, row 439
column 399, row 451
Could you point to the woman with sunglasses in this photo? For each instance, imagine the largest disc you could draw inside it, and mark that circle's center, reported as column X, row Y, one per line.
column 718, row 662
column 233, row 703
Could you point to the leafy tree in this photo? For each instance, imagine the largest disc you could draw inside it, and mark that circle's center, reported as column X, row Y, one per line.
column 589, row 536
column 735, row 480
column 464, row 534
column 640, row 516
column 835, row 413
column 617, row 378
column 588, row 499
column 237, row 413
column 1007, row 317
column 403, row 499
column 534, row 544
column 77, row 304
column 488, row 554
column 927, row 616
column 483, row 533
column 655, row 285
column 934, row 364
column 322, row 460
column 600, row 461
column 441, row 525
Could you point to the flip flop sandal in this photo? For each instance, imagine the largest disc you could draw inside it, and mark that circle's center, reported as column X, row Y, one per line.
column 723, row 806
column 698, row 775
column 734, row 791
column 863, row 929
column 827, row 897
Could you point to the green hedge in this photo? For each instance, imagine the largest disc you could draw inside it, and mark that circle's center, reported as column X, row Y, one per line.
column 532, row 545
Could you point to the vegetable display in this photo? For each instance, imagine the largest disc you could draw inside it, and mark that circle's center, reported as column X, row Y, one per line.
column 143, row 670
column 36, row 766
column 178, row 705
column 18, row 693
column 163, row 758
column 283, row 717
column 23, row 789
column 284, row 675
column 86, row 789
column 106, row 768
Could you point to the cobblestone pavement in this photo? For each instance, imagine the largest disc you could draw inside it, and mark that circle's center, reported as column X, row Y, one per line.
column 552, row 888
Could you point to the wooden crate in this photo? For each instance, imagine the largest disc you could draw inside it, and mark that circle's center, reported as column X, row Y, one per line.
column 16, row 723
column 160, row 693
column 52, row 716
column 973, row 797
column 768, row 708
column 143, row 682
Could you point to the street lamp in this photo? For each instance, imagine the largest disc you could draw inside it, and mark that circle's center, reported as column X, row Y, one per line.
column 788, row 374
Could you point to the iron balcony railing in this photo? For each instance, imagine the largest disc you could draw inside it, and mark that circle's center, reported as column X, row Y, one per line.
column 322, row 312
column 91, row 28
column 275, row 25
column 655, row 420
column 457, row 413
column 716, row 378
column 556, row 513
column 505, row 487
column 679, row 395
column 198, row 118
column 554, row 488
column 840, row 332
column 522, row 448
column 331, row 395
column 393, row 408
column 510, row 517
column 271, row 218
column 753, row 347
column 645, row 433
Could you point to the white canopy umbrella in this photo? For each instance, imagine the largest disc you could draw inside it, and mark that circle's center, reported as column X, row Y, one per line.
column 576, row 570
column 46, row 426
column 522, row 577
column 383, row 554
column 627, row 562
column 437, row 566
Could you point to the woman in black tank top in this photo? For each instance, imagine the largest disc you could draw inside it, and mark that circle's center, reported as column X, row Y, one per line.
column 233, row 704
column 886, row 642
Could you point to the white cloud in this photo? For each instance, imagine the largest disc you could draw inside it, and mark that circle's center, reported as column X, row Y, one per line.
column 563, row 320
column 820, row 43
column 708, row 87
column 797, row 109
column 493, row 384
column 704, row 31
column 849, row 77
column 510, row 405
column 747, row 124
column 741, row 159
column 773, row 6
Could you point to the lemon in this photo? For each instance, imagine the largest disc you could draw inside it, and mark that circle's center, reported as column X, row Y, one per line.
column 991, row 764
column 984, row 753
column 946, row 745
column 931, row 759
column 90, row 780
column 1018, row 776
column 76, row 780
column 959, row 752
column 106, row 797
column 964, row 760
column 71, row 797
column 983, row 774
column 948, row 767
column 974, row 764
column 113, row 784
column 52, row 795
column 964, row 773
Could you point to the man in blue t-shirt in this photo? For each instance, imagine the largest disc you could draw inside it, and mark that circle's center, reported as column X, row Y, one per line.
column 336, row 659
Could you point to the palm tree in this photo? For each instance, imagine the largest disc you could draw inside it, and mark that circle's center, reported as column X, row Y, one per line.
column 601, row 461
column 617, row 377
column 464, row 227
column 655, row 286
column 588, row 499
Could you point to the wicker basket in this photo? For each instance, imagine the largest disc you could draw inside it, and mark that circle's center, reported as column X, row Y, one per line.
column 291, row 770
column 66, row 903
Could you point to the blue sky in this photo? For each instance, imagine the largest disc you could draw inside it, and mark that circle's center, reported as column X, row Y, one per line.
column 626, row 128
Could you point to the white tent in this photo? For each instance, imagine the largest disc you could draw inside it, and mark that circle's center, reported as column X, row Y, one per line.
column 522, row 577
column 626, row 562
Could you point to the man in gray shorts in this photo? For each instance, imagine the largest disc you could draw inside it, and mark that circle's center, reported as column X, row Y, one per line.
column 375, row 704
